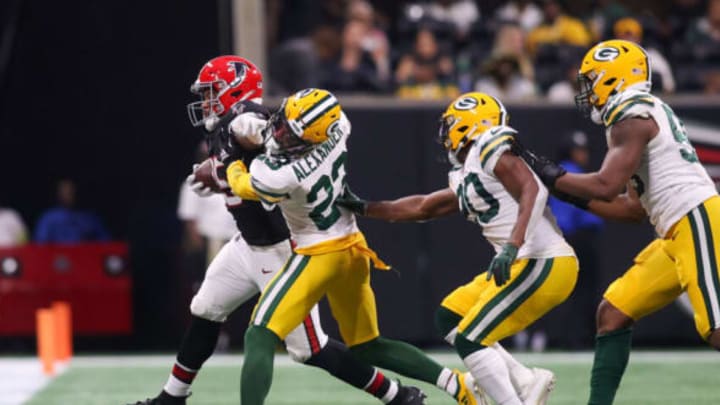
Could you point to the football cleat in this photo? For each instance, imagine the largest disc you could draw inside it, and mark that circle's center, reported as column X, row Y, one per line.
column 538, row 391
column 469, row 392
column 163, row 399
column 408, row 396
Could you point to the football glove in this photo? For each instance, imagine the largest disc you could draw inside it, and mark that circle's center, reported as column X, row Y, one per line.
column 500, row 265
column 352, row 202
column 579, row 202
column 197, row 186
column 249, row 126
column 547, row 170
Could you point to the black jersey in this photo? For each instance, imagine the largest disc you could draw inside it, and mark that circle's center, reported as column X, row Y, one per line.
column 258, row 226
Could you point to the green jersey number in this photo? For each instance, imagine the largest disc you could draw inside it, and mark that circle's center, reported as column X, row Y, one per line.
column 678, row 129
column 466, row 205
column 327, row 183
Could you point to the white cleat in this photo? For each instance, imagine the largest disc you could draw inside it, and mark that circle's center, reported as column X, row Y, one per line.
column 478, row 393
column 538, row 391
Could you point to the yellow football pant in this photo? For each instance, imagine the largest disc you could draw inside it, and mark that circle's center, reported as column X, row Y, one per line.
column 344, row 276
column 491, row 313
column 685, row 260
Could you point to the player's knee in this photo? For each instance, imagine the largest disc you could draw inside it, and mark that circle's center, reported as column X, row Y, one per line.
column 446, row 322
column 203, row 308
column 714, row 339
column 610, row 319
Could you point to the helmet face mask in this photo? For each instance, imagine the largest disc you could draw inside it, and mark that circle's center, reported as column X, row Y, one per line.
column 583, row 100
column 287, row 138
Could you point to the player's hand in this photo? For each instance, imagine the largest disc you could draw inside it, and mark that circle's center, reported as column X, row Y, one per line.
column 547, row 170
column 197, row 186
column 248, row 126
column 500, row 265
column 352, row 202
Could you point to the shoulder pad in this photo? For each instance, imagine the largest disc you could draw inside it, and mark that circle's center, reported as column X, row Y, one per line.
column 493, row 140
column 628, row 104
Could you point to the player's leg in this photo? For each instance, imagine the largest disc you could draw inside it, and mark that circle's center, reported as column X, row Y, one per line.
column 283, row 305
column 456, row 305
column 309, row 344
column 352, row 302
column 695, row 244
column 535, row 287
column 225, row 287
column 650, row 284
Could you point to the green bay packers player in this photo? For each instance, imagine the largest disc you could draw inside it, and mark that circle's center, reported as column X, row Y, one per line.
column 534, row 268
column 303, row 172
column 648, row 145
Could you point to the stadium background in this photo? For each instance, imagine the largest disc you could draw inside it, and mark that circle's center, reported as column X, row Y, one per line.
column 97, row 91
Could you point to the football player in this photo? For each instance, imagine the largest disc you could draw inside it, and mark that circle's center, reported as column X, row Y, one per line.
column 254, row 255
column 647, row 145
column 534, row 269
column 303, row 172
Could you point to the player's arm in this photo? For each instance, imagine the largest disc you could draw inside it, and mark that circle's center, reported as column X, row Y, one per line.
column 628, row 139
column 240, row 181
column 624, row 208
column 520, row 182
column 421, row 207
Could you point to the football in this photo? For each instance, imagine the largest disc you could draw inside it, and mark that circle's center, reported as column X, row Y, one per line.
column 204, row 174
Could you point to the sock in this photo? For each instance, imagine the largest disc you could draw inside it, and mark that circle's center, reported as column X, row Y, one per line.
column 520, row 375
column 448, row 382
column 399, row 357
column 257, row 370
column 612, row 351
column 446, row 322
column 196, row 347
column 336, row 359
column 489, row 370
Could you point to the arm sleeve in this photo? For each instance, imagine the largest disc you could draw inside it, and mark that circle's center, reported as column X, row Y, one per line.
column 239, row 180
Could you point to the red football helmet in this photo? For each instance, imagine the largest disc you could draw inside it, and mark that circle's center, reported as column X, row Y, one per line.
column 221, row 83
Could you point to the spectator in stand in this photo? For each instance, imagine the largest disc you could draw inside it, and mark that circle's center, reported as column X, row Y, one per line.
column 67, row 224
column 364, row 62
column 630, row 29
column 565, row 90
column 502, row 79
column 510, row 40
column 558, row 28
column 712, row 82
column 12, row 229
column 603, row 15
column 462, row 14
column 426, row 72
column 706, row 30
column 525, row 13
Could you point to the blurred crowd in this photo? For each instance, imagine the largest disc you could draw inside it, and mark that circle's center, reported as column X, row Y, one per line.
column 518, row 49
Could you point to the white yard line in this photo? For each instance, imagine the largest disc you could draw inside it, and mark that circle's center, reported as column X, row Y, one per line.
column 21, row 378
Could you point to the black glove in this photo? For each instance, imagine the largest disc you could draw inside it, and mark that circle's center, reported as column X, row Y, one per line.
column 352, row 202
column 579, row 202
column 547, row 170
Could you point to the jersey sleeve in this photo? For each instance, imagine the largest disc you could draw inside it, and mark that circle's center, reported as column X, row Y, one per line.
column 270, row 181
column 631, row 104
column 493, row 144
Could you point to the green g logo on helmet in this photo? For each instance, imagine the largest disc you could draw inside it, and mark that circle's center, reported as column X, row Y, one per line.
column 606, row 54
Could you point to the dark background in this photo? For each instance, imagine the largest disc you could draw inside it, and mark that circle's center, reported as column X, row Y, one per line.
column 97, row 91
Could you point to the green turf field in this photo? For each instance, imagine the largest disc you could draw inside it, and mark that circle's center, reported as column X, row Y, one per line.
column 652, row 378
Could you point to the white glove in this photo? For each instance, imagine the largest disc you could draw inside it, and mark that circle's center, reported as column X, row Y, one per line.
column 248, row 126
column 196, row 186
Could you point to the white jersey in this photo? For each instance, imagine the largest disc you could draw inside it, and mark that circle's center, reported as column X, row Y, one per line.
column 484, row 200
column 670, row 180
column 306, row 188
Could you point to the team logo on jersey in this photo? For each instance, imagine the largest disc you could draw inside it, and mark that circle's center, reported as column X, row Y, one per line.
column 466, row 103
column 606, row 54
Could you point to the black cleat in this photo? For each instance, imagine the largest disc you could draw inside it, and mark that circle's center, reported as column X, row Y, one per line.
column 163, row 399
column 409, row 396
